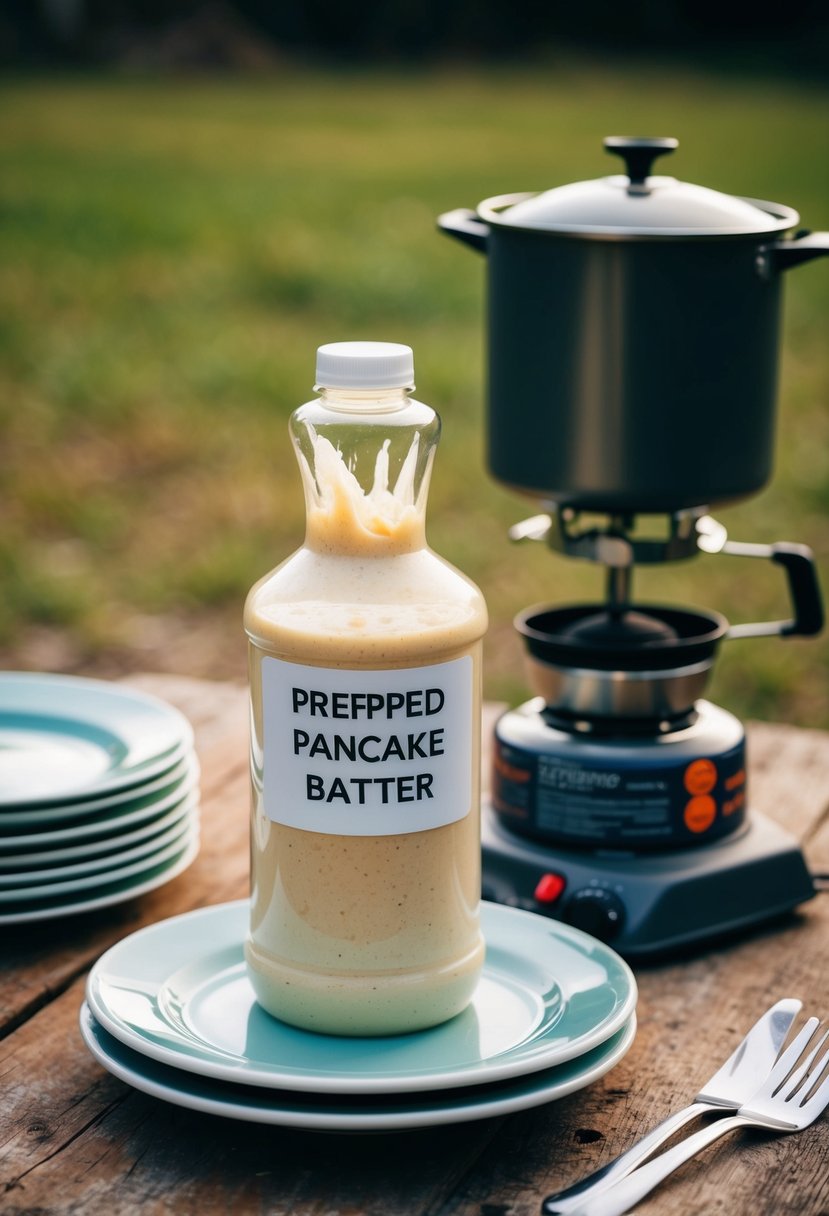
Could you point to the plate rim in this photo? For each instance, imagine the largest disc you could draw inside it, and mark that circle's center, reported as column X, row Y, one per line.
column 19, row 816
column 177, row 770
column 111, row 781
column 186, row 785
column 76, row 886
column 111, row 843
column 477, row 1074
column 176, row 828
column 73, row 908
column 477, row 1103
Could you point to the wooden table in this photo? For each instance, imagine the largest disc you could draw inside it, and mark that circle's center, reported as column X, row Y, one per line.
column 73, row 1139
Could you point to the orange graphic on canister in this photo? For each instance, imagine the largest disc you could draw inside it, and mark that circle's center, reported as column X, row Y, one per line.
column 519, row 775
column 733, row 804
column 700, row 813
column 701, row 777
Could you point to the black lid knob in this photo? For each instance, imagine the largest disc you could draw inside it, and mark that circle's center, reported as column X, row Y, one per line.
column 639, row 153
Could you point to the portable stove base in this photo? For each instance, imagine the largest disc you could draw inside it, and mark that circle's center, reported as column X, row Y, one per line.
column 651, row 904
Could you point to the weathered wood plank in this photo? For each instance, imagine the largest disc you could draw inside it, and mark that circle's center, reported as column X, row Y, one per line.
column 789, row 776
column 212, row 708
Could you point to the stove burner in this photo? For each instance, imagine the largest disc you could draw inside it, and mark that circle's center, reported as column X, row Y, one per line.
column 641, row 667
column 616, row 726
column 636, row 638
column 618, row 629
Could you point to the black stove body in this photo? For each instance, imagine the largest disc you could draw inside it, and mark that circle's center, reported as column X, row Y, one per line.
column 651, row 905
column 619, row 795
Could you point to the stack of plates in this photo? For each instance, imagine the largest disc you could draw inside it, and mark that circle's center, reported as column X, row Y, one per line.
column 170, row 1011
column 98, row 795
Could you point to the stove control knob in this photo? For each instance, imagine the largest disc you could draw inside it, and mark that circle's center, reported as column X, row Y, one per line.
column 596, row 910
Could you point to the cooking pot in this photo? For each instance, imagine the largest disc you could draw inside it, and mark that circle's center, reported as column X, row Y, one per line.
column 634, row 326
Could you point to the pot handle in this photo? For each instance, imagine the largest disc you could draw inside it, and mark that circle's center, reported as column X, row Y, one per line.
column 465, row 226
column 804, row 590
column 802, row 248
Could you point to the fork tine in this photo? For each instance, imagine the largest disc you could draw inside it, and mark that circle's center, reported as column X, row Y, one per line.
column 816, row 1088
column 799, row 1078
column 788, row 1061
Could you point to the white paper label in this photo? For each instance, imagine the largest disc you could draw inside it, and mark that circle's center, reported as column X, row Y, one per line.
column 367, row 753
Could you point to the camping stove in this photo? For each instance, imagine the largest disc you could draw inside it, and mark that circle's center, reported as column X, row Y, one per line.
column 619, row 795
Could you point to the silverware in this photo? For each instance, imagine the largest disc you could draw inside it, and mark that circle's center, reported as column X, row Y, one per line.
column 794, row 1093
column 729, row 1087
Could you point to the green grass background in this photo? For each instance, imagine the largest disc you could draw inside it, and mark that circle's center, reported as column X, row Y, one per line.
column 172, row 252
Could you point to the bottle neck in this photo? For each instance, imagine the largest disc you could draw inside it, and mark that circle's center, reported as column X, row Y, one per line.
column 365, row 459
column 364, row 400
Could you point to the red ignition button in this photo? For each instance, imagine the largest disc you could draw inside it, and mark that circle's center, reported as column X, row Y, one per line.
column 548, row 888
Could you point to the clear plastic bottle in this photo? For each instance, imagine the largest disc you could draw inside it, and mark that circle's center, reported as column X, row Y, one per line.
column 365, row 675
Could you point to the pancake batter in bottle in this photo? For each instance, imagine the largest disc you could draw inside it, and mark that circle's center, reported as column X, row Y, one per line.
column 365, row 670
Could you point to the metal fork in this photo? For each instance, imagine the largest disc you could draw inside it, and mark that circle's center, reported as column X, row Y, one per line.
column 793, row 1095
column 729, row 1087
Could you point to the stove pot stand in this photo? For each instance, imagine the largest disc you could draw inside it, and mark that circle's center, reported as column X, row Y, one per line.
column 634, row 327
column 622, row 661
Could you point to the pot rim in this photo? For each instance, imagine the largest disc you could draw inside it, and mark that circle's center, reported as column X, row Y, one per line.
column 620, row 675
column 781, row 219
column 546, row 645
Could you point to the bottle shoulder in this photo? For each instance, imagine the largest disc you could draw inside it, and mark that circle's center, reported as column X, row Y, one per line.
column 308, row 574
column 407, row 602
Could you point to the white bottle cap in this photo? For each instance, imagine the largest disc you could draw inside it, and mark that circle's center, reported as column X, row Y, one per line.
column 365, row 365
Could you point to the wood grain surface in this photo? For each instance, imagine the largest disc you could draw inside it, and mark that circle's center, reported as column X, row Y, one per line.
column 73, row 1139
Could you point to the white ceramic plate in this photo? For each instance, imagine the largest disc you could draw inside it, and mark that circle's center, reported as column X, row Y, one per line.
column 102, row 867
column 108, row 893
column 351, row 1113
column 178, row 992
column 104, row 825
column 63, row 738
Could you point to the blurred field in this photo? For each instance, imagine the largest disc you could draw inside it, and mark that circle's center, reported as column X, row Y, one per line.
column 172, row 254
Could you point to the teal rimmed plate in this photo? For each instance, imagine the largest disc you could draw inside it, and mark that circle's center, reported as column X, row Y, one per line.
column 119, row 871
column 347, row 1112
column 108, row 823
column 64, row 739
column 187, row 814
column 54, row 858
column 178, row 993
column 105, row 894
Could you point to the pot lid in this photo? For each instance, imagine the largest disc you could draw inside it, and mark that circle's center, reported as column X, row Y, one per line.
column 638, row 204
